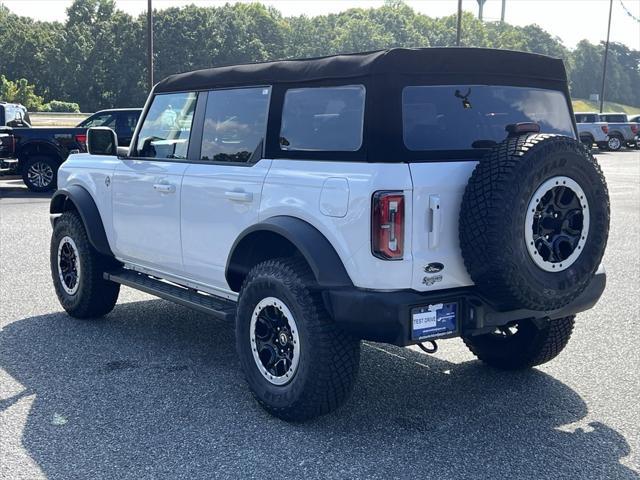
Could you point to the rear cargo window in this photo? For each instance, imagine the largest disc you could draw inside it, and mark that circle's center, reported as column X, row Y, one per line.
column 475, row 116
column 323, row 118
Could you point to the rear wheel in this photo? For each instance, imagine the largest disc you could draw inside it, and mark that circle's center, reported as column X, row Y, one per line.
column 39, row 173
column 522, row 344
column 296, row 360
column 614, row 143
column 77, row 269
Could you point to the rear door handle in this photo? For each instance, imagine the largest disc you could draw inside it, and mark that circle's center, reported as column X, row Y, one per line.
column 164, row 188
column 436, row 221
column 239, row 196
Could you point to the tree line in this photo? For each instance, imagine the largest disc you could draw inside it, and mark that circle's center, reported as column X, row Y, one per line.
column 97, row 57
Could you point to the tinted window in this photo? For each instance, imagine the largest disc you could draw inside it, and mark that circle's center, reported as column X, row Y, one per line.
column 167, row 126
column 324, row 118
column 614, row 118
column 99, row 120
column 585, row 118
column 475, row 116
column 235, row 124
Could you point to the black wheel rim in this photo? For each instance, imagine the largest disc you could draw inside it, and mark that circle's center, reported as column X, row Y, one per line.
column 275, row 341
column 557, row 224
column 68, row 265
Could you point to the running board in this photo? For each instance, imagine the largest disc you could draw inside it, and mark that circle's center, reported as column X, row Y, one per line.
column 219, row 307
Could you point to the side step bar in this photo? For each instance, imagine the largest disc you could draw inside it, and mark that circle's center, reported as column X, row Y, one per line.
column 219, row 307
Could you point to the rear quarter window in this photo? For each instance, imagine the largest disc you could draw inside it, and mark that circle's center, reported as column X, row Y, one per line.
column 323, row 119
column 475, row 116
column 614, row 118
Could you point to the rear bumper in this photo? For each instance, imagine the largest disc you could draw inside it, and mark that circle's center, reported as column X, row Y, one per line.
column 386, row 316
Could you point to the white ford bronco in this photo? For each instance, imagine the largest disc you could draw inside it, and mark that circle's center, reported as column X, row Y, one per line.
column 397, row 196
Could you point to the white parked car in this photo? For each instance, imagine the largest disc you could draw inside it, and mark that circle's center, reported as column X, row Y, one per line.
column 591, row 130
column 399, row 196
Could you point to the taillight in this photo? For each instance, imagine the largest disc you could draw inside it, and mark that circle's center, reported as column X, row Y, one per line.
column 81, row 138
column 387, row 225
column 634, row 128
column 605, row 128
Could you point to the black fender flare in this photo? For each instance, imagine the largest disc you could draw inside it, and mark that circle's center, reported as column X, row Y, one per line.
column 34, row 147
column 89, row 213
column 325, row 264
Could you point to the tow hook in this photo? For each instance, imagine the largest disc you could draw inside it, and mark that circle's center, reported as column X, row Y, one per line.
column 432, row 349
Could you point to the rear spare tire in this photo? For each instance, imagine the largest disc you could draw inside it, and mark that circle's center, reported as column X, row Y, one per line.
column 534, row 222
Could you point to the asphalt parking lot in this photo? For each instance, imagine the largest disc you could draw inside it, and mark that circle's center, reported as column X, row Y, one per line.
column 155, row 391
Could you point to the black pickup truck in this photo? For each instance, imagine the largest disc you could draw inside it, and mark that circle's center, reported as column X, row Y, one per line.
column 36, row 153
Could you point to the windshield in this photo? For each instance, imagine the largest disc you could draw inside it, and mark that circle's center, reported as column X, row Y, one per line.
column 475, row 116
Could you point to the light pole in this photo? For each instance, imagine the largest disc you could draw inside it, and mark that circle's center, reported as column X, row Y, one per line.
column 459, row 29
column 504, row 5
column 480, row 8
column 150, row 44
column 606, row 53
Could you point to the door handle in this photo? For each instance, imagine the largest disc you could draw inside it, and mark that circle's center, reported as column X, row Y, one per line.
column 164, row 188
column 436, row 221
column 239, row 196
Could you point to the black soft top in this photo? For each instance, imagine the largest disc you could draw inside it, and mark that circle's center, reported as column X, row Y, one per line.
column 443, row 65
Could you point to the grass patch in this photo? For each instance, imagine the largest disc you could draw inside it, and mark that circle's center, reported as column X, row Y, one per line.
column 43, row 119
column 581, row 105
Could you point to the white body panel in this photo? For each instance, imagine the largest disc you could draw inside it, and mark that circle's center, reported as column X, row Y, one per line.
column 295, row 188
column 594, row 129
column 218, row 203
column 91, row 173
column 146, row 199
column 187, row 234
column 437, row 195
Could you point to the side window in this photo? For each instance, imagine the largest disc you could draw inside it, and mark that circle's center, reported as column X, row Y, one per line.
column 323, row 118
column 235, row 124
column 126, row 122
column 100, row 120
column 167, row 126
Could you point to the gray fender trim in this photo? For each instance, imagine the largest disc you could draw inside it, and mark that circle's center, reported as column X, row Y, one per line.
column 89, row 214
column 322, row 258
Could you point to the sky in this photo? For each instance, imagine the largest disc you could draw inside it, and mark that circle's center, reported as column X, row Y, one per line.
column 571, row 20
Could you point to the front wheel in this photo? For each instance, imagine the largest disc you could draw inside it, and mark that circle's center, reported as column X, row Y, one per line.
column 77, row 269
column 297, row 361
column 39, row 173
column 522, row 344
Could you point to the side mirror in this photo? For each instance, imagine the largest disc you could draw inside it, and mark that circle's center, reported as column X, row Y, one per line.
column 102, row 141
column 123, row 151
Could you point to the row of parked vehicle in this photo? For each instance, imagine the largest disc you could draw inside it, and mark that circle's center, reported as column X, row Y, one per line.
column 36, row 153
column 609, row 131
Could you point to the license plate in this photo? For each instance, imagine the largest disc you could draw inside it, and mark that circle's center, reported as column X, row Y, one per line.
column 432, row 321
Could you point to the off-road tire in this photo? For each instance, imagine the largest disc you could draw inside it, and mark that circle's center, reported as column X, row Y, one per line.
column 528, row 347
column 492, row 222
column 95, row 296
column 329, row 357
column 40, row 159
